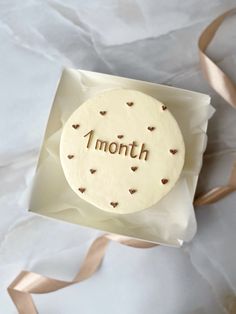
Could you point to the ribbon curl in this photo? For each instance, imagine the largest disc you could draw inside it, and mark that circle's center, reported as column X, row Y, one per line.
column 28, row 282
column 226, row 88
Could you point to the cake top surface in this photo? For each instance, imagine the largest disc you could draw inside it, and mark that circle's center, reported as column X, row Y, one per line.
column 122, row 151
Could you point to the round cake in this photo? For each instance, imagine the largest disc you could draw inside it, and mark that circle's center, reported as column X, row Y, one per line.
column 122, row 151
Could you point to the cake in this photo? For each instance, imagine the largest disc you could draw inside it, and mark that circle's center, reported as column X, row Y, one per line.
column 122, row 151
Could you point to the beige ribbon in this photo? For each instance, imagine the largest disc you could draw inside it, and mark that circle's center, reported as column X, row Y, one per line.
column 219, row 192
column 218, row 80
column 28, row 282
column 225, row 87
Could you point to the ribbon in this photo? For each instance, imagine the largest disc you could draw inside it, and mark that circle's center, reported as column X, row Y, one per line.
column 219, row 192
column 226, row 88
column 218, row 80
column 29, row 282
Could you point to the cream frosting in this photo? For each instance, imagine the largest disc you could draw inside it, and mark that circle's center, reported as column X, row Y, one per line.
column 122, row 151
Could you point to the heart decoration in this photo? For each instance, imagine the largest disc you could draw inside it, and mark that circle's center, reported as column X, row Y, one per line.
column 114, row 204
column 164, row 181
column 75, row 126
column 103, row 113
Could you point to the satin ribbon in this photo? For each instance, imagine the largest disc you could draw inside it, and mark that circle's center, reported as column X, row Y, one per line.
column 28, row 282
column 226, row 88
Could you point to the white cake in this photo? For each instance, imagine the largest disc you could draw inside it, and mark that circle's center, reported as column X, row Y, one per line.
column 122, row 151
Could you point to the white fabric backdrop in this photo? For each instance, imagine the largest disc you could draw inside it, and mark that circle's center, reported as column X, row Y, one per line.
column 148, row 40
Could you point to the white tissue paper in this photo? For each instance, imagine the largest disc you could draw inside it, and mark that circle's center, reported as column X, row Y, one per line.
column 171, row 221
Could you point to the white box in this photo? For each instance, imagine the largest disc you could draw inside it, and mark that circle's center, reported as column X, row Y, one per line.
column 172, row 220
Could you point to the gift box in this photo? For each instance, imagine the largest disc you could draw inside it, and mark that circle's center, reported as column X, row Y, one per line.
column 171, row 221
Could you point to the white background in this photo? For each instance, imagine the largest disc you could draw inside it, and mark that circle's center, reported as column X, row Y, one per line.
column 148, row 40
